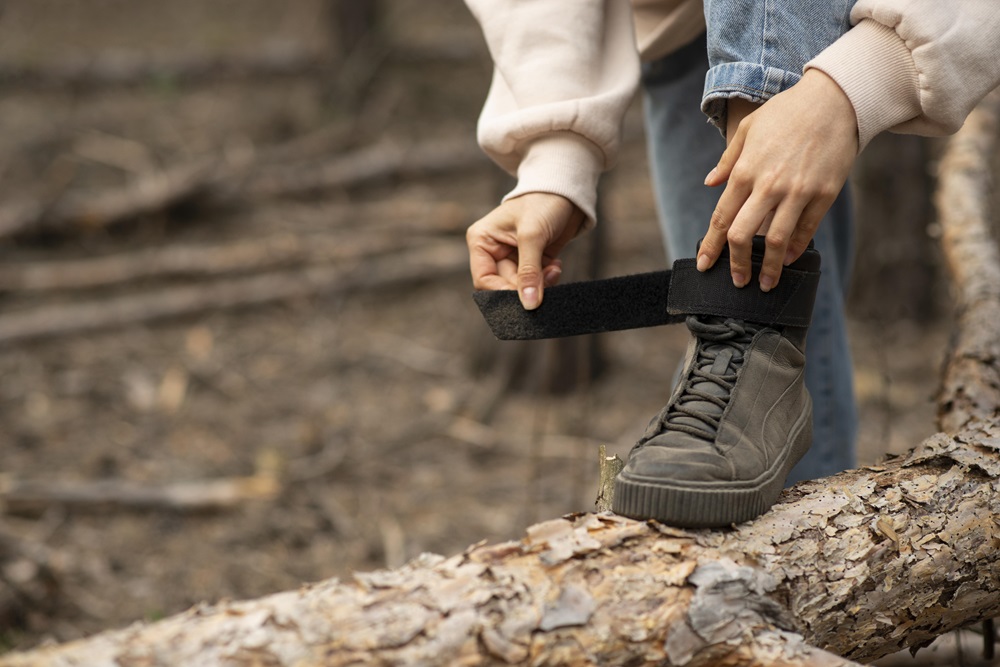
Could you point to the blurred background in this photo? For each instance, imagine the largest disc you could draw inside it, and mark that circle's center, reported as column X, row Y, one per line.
column 237, row 348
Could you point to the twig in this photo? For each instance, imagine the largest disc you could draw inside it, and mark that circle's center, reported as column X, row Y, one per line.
column 362, row 167
column 424, row 263
column 212, row 181
column 18, row 497
column 610, row 466
column 145, row 194
column 197, row 260
column 131, row 69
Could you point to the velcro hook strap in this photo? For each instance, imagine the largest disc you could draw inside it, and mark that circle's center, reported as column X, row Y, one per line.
column 654, row 299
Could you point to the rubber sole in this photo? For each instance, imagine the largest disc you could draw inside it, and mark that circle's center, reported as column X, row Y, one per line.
column 701, row 505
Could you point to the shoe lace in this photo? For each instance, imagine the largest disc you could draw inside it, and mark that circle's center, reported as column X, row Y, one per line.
column 721, row 351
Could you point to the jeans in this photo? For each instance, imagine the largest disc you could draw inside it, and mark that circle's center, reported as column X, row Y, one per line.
column 683, row 148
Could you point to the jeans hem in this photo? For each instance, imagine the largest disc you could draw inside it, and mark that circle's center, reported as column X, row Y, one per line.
column 750, row 81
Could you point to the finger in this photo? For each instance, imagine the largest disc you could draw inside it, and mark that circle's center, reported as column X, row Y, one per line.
column 809, row 221
column 484, row 262
column 724, row 169
column 748, row 222
column 494, row 283
column 551, row 275
column 507, row 269
column 484, row 254
column 776, row 241
column 716, row 238
column 530, row 248
column 551, row 271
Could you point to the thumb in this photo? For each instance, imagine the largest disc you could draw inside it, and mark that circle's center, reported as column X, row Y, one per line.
column 529, row 271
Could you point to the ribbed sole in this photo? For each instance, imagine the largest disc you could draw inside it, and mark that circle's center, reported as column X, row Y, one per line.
column 699, row 505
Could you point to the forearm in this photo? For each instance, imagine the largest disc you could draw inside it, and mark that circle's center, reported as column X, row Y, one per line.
column 564, row 75
column 916, row 66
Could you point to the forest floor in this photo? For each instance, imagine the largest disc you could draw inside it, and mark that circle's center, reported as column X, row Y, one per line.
column 365, row 405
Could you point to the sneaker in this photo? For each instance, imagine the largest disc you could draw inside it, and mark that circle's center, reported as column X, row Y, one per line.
column 737, row 422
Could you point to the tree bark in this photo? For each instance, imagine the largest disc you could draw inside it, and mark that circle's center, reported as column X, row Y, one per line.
column 971, row 384
column 862, row 564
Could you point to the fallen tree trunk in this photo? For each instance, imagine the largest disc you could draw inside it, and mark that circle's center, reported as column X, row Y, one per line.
column 862, row 564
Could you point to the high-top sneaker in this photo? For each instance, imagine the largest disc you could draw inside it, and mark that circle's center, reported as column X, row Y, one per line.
column 737, row 422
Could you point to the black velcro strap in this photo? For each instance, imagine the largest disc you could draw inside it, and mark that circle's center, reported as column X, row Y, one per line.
column 609, row 304
column 789, row 303
column 653, row 299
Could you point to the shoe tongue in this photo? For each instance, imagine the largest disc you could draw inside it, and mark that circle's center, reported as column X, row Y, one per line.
column 720, row 365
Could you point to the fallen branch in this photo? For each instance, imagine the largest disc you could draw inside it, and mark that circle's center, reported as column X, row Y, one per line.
column 122, row 69
column 145, row 194
column 200, row 260
column 971, row 385
column 33, row 498
column 132, row 69
column 406, row 268
column 218, row 182
column 364, row 166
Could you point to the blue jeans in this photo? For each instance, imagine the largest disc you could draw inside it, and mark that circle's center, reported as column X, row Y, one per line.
column 683, row 148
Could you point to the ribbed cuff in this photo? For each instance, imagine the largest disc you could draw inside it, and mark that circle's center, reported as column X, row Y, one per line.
column 873, row 66
column 565, row 164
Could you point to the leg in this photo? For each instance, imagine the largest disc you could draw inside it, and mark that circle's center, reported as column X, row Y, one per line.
column 682, row 146
column 786, row 35
column 829, row 375
column 682, row 149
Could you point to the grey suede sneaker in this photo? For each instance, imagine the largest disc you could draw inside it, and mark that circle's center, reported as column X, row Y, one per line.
column 738, row 421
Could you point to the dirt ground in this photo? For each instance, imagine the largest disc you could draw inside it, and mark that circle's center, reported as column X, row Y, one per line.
column 366, row 401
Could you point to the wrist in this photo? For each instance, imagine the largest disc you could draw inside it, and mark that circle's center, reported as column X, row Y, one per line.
column 565, row 164
column 835, row 112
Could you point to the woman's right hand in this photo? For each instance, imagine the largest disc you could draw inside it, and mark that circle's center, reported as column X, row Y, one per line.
column 517, row 244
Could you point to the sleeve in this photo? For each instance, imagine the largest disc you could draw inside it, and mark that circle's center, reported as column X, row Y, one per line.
column 565, row 72
column 915, row 66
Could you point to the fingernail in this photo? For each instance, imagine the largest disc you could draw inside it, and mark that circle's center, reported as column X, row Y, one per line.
column 739, row 279
column 766, row 283
column 710, row 176
column 703, row 262
column 529, row 298
column 789, row 257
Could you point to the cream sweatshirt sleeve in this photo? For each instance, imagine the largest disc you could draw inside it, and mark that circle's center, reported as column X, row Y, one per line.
column 565, row 72
column 915, row 66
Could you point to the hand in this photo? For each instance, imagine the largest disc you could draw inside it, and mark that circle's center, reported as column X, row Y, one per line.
column 785, row 165
column 516, row 245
